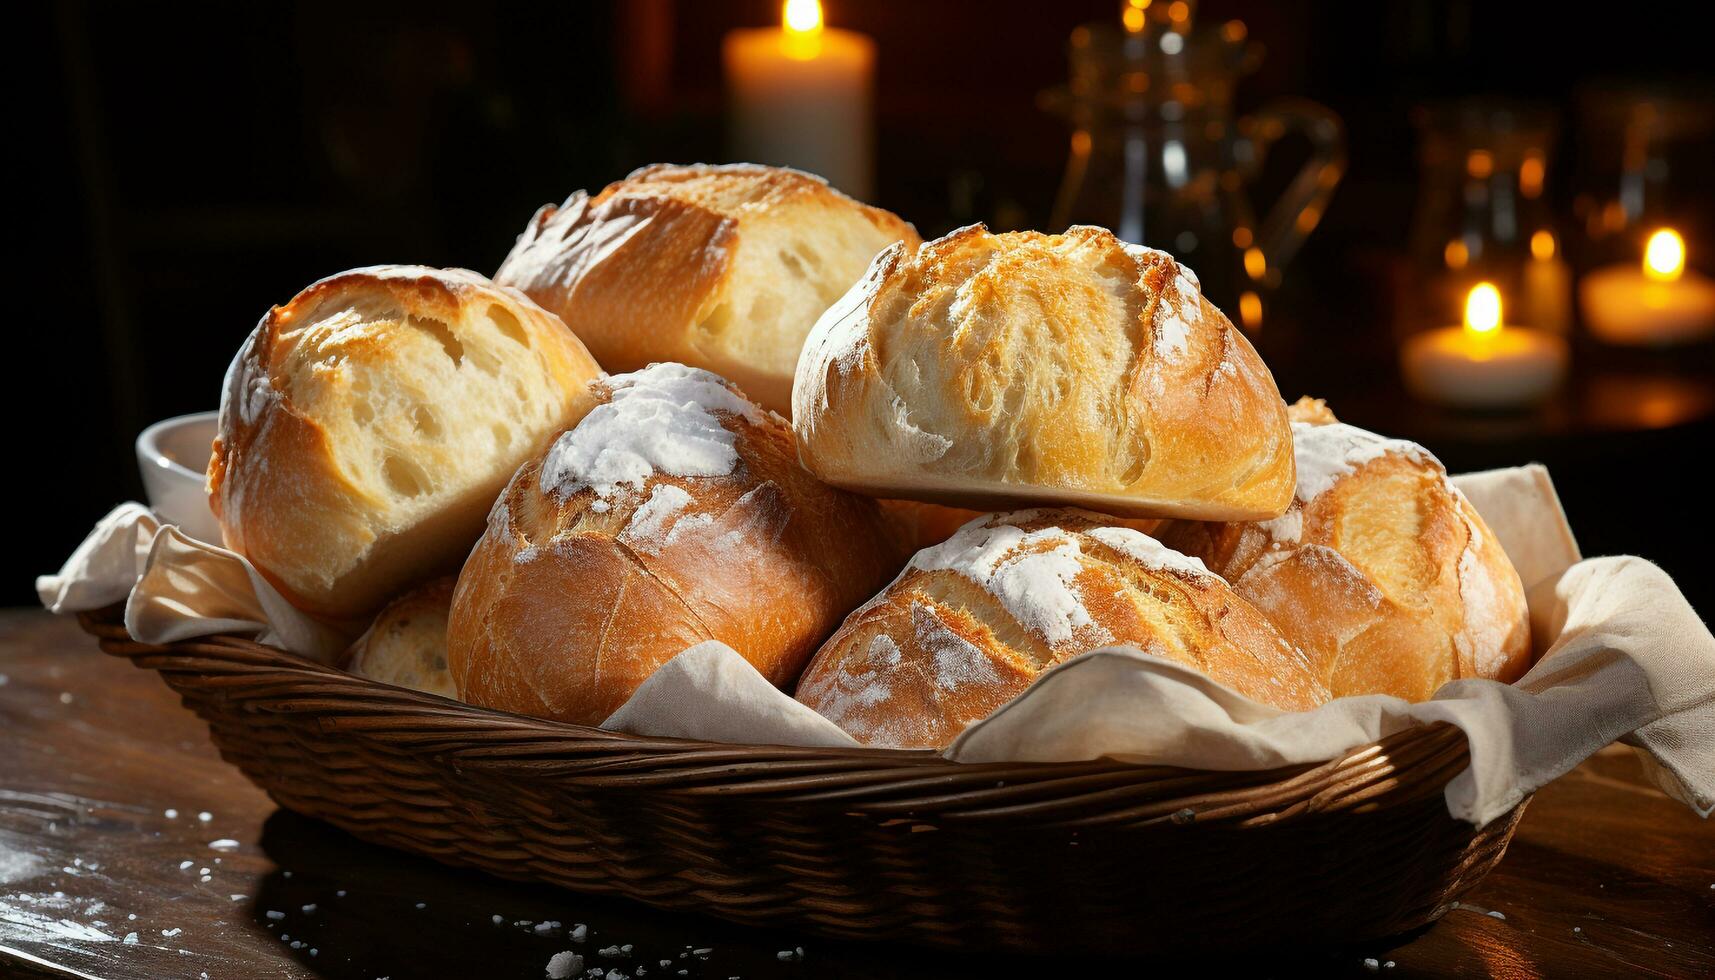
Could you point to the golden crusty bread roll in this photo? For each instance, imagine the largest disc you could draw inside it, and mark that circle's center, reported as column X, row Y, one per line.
column 719, row 267
column 985, row 370
column 1381, row 571
column 972, row 622
column 406, row 646
column 366, row 426
column 676, row 512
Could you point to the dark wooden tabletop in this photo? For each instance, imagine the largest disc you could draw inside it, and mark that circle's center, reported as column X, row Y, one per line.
column 128, row 849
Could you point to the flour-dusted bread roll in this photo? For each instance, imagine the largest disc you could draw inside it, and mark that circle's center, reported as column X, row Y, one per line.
column 676, row 512
column 1381, row 571
column 988, row 371
column 367, row 425
column 972, row 622
column 406, row 646
column 724, row 268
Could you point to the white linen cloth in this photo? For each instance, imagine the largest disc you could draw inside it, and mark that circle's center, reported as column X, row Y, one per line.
column 1622, row 655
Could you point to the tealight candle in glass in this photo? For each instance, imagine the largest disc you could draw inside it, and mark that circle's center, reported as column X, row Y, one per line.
column 1483, row 364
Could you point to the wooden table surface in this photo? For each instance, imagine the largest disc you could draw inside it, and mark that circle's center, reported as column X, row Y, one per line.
column 112, row 802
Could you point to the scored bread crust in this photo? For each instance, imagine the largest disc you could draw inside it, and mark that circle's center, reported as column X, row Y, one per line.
column 971, row 623
column 406, row 645
column 720, row 267
column 1019, row 369
column 576, row 594
column 1381, row 571
column 366, row 426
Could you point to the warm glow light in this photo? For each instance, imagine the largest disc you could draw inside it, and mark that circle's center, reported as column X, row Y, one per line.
column 1664, row 256
column 1530, row 174
column 1483, row 309
column 1132, row 15
column 1250, row 310
column 1178, row 11
column 1456, row 254
column 1256, row 264
column 1542, row 245
column 802, row 16
column 1480, row 164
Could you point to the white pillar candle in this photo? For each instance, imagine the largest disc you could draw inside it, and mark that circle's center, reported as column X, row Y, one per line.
column 1659, row 302
column 1483, row 364
column 800, row 96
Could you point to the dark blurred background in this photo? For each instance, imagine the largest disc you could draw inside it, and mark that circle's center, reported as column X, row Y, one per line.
column 189, row 166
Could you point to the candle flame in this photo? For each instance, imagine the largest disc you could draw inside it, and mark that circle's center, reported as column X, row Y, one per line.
column 1664, row 256
column 802, row 16
column 1483, row 310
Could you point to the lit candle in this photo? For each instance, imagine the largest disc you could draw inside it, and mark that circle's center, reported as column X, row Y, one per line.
column 1660, row 303
column 1483, row 364
column 800, row 97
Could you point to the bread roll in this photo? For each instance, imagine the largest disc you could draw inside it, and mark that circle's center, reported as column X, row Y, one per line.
column 972, row 622
column 366, row 426
column 1381, row 571
column 723, row 268
column 1002, row 370
column 676, row 512
column 406, row 646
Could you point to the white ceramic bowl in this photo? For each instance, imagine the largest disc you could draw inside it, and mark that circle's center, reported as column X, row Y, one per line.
column 173, row 455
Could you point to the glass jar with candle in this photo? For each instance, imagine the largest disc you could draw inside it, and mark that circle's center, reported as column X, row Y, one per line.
column 1643, row 160
column 1483, row 363
column 1645, row 155
column 1483, row 215
column 1159, row 156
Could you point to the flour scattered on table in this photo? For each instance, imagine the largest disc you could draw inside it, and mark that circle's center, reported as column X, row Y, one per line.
column 310, row 909
column 1496, row 915
column 185, row 864
column 205, row 816
column 65, row 697
column 39, row 926
column 790, row 955
column 170, row 933
column 130, row 939
column 422, row 905
column 275, row 915
column 580, row 931
column 224, row 844
column 170, row 813
column 563, row 965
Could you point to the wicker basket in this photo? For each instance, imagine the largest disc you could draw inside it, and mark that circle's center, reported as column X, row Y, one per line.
column 1098, row 857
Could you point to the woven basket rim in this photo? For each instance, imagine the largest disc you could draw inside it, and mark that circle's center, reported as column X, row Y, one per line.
column 1400, row 768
